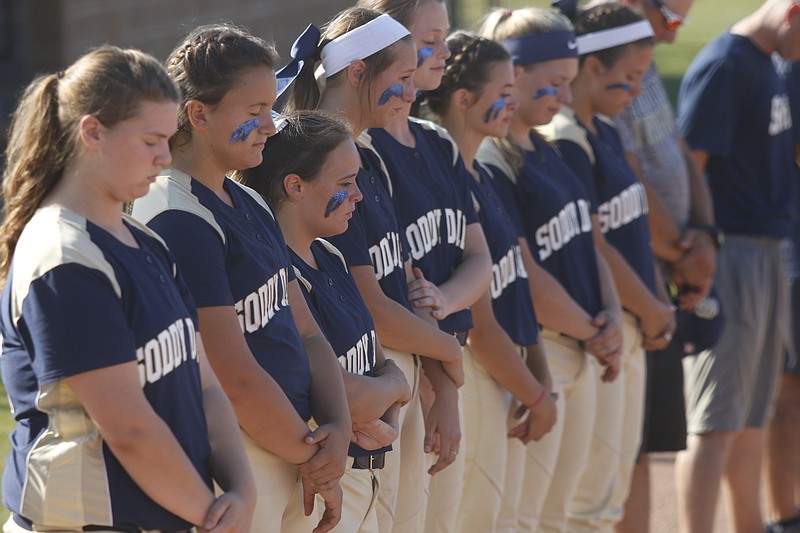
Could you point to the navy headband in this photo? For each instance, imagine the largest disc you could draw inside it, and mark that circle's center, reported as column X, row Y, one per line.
column 541, row 47
column 303, row 49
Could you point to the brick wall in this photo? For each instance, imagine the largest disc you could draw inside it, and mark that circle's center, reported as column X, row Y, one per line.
column 156, row 25
column 50, row 34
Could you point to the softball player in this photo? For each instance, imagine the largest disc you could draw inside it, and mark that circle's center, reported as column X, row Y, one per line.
column 572, row 289
column 615, row 46
column 308, row 175
column 383, row 59
column 273, row 360
column 100, row 354
column 444, row 236
column 480, row 72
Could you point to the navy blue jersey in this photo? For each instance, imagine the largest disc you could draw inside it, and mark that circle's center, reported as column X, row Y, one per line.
column 77, row 300
column 733, row 105
column 337, row 306
column 431, row 189
column 373, row 236
column 555, row 213
column 791, row 75
column 511, row 296
column 599, row 161
column 234, row 256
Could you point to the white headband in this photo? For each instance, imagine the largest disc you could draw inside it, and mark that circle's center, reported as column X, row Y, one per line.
column 605, row 39
column 361, row 42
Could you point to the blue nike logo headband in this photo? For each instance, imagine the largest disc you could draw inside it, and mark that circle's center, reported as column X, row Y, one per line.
column 541, row 47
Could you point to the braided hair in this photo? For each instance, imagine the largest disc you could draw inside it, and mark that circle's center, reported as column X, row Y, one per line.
column 469, row 67
column 207, row 63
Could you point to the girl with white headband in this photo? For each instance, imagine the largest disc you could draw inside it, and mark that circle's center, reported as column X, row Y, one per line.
column 367, row 61
column 475, row 99
column 271, row 357
column 572, row 289
column 447, row 245
column 615, row 47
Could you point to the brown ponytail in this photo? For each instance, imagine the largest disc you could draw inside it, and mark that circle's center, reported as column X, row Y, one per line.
column 108, row 83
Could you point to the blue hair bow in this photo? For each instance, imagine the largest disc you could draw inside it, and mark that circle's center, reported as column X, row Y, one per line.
column 303, row 49
column 568, row 8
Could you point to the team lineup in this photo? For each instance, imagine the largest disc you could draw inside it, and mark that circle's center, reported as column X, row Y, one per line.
column 410, row 280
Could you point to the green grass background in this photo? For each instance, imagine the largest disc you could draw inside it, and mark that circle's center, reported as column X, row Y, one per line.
column 707, row 19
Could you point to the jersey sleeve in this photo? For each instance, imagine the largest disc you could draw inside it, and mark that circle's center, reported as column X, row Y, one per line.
column 707, row 108
column 578, row 160
column 463, row 178
column 200, row 254
column 353, row 242
column 73, row 322
column 506, row 192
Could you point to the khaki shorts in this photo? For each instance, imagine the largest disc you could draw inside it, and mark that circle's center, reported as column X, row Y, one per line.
column 732, row 386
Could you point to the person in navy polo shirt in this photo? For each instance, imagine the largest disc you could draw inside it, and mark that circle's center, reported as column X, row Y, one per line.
column 267, row 349
column 120, row 423
column 308, row 175
column 781, row 461
column 734, row 112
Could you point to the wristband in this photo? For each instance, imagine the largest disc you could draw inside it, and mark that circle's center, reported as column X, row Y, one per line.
column 532, row 406
column 716, row 234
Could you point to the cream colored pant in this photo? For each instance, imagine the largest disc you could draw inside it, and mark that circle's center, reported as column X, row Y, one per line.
column 359, row 509
column 486, row 406
column 279, row 506
column 444, row 495
column 403, row 489
column 605, row 481
column 12, row 527
column 553, row 465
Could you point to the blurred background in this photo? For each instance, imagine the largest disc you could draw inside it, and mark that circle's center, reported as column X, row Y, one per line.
column 39, row 36
column 46, row 35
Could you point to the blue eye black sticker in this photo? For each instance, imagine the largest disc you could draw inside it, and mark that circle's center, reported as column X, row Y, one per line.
column 394, row 90
column 494, row 110
column 243, row 131
column 551, row 91
column 624, row 86
column 422, row 55
column 335, row 202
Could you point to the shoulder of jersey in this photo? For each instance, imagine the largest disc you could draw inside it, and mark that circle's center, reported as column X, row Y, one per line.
column 489, row 154
column 330, row 248
column 366, row 142
column 172, row 190
column 441, row 132
column 564, row 126
column 54, row 236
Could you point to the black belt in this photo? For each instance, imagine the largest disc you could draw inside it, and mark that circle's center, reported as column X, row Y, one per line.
column 371, row 462
column 27, row 525
column 461, row 337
